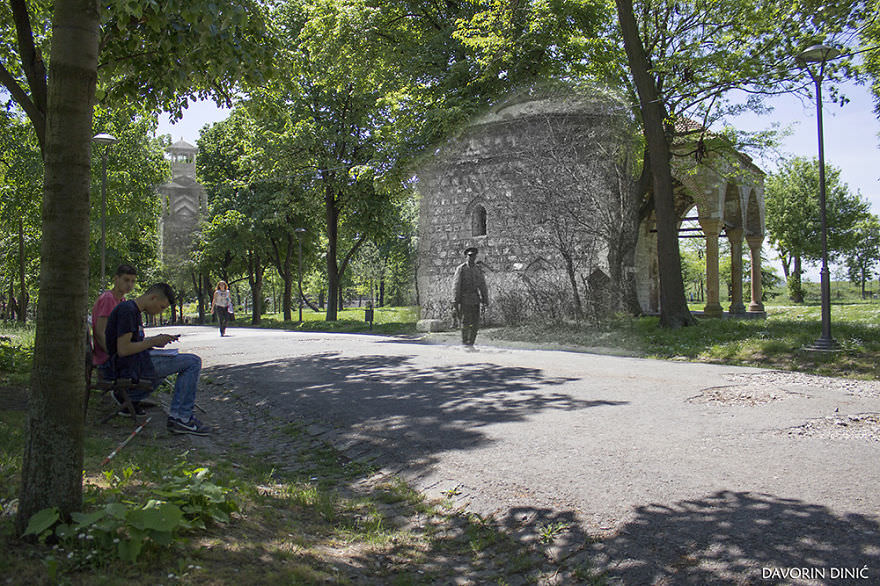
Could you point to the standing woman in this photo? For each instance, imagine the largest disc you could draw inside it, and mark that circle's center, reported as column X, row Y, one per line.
column 221, row 305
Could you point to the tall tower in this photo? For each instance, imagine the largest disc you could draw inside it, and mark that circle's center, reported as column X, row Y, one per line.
column 184, row 204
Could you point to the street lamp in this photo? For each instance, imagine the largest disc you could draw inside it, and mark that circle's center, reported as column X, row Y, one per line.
column 821, row 54
column 299, row 232
column 106, row 140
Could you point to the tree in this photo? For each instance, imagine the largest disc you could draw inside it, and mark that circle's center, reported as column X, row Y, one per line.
column 240, row 151
column 793, row 220
column 52, row 465
column 21, row 173
column 864, row 256
column 687, row 60
column 139, row 44
column 341, row 131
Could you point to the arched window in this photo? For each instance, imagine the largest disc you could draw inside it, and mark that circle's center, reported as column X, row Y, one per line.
column 478, row 221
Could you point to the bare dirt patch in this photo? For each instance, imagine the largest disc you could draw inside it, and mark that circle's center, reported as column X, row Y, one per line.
column 858, row 427
column 749, row 395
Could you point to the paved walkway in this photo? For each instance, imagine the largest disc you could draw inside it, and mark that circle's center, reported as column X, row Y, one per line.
column 662, row 472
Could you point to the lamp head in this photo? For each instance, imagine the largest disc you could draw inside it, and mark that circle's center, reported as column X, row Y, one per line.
column 104, row 138
column 817, row 54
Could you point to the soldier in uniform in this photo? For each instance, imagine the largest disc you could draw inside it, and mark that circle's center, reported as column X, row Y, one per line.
column 469, row 292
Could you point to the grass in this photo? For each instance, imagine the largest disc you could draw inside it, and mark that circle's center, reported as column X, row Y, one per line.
column 16, row 353
column 777, row 342
column 386, row 321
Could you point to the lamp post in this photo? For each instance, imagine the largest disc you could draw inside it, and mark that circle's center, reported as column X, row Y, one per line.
column 821, row 54
column 106, row 140
column 299, row 232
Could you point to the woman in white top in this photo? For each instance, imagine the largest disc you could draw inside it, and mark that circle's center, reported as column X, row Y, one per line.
column 221, row 305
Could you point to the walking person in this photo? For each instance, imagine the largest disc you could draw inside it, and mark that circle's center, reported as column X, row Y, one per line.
column 221, row 305
column 469, row 292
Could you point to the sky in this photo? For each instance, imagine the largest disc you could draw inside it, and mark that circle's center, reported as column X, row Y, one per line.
column 852, row 139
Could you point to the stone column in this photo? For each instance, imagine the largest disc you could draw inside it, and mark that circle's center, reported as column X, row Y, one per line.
column 735, row 236
column 755, row 243
column 711, row 228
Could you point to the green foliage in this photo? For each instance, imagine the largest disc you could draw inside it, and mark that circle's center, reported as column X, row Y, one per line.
column 11, row 446
column 201, row 500
column 793, row 217
column 21, row 185
column 870, row 38
column 865, row 253
column 14, row 357
column 186, row 500
column 792, row 210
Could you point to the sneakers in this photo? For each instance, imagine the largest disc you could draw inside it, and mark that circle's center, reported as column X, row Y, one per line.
column 193, row 426
column 123, row 410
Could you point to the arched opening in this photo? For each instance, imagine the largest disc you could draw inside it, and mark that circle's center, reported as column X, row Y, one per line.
column 478, row 221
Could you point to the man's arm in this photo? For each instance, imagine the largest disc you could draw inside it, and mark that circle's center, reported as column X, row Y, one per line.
column 125, row 347
column 456, row 286
column 100, row 326
column 484, row 290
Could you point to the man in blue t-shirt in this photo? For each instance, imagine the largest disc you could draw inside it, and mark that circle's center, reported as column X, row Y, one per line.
column 130, row 357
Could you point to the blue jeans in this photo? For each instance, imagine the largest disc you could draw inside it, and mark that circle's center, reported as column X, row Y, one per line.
column 188, row 367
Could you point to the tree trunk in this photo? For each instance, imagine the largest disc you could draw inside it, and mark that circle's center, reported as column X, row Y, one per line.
column 22, row 267
column 572, row 278
column 199, row 286
column 10, row 306
column 333, row 291
column 674, row 311
column 52, row 464
column 795, row 287
column 255, row 279
column 786, row 262
column 282, row 263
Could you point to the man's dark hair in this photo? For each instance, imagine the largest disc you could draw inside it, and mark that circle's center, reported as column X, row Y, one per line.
column 126, row 270
column 162, row 289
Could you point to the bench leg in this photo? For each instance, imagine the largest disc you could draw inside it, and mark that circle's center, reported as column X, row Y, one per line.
column 122, row 386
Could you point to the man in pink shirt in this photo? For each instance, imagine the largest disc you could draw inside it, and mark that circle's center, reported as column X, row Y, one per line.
column 123, row 283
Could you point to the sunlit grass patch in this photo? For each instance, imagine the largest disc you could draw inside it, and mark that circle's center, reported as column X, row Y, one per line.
column 386, row 320
column 775, row 342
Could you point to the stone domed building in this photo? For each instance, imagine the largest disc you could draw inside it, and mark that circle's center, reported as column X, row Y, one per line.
column 545, row 188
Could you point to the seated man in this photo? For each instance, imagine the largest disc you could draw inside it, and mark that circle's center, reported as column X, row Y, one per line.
column 123, row 283
column 130, row 357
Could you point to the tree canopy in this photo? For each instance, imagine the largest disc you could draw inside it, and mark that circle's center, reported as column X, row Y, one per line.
column 793, row 216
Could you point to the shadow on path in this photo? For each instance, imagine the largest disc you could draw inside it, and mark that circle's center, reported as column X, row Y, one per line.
column 395, row 405
column 729, row 538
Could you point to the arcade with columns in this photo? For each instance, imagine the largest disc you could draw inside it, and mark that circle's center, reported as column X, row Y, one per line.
column 727, row 193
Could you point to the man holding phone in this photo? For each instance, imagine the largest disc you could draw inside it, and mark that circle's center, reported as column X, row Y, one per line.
column 130, row 357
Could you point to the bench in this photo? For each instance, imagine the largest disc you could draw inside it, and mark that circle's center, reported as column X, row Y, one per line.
column 121, row 387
